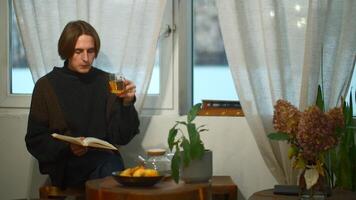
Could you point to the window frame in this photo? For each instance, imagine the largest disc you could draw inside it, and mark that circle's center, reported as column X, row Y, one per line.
column 164, row 102
column 184, row 53
column 180, row 63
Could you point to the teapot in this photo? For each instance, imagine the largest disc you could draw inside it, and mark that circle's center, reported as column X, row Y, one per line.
column 157, row 159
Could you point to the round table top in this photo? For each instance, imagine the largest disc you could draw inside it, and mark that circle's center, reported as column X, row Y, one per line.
column 108, row 187
column 268, row 195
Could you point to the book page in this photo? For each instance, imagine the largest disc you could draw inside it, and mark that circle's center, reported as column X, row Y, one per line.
column 67, row 138
column 88, row 141
column 95, row 142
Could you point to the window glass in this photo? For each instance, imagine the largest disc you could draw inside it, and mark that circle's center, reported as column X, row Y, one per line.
column 211, row 74
column 153, row 88
column 21, row 78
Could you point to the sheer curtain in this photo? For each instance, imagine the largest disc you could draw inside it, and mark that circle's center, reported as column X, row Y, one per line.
column 274, row 51
column 128, row 29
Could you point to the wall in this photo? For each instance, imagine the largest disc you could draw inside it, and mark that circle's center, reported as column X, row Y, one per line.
column 235, row 152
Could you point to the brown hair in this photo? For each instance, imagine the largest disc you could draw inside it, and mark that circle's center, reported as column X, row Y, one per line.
column 70, row 35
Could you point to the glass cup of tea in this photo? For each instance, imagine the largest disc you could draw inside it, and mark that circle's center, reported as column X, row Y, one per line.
column 117, row 83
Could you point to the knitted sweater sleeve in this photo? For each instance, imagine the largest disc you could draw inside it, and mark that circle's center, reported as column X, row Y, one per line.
column 123, row 121
column 44, row 119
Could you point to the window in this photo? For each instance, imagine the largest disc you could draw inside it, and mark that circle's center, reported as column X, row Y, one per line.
column 211, row 74
column 17, row 83
column 7, row 98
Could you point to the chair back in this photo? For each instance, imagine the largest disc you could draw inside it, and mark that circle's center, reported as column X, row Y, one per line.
column 54, row 192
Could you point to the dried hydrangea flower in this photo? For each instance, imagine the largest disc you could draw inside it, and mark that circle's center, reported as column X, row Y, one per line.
column 315, row 133
column 286, row 117
column 336, row 117
column 311, row 132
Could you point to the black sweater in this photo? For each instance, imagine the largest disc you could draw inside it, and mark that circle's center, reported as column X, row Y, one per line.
column 75, row 104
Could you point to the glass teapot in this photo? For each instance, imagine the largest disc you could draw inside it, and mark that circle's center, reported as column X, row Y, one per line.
column 157, row 159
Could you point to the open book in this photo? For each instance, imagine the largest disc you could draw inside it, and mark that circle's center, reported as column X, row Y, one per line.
column 87, row 142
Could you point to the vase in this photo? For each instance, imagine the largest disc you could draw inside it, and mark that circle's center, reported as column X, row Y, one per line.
column 316, row 192
column 199, row 170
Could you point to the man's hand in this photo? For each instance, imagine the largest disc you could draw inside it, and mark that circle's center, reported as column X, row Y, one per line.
column 129, row 95
column 77, row 149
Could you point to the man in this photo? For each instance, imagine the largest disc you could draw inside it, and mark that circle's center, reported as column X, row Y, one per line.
column 75, row 100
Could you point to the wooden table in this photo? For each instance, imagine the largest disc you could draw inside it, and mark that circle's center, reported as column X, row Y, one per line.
column 108, row 189
column 223, row 187
column 268, row 195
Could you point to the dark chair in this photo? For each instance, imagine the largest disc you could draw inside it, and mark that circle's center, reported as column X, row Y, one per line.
column 48, row 191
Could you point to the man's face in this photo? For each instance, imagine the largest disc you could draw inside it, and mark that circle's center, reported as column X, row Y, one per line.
column 84, row 54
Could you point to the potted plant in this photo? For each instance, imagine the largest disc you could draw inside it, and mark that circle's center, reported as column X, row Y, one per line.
column 190, row 154
column 312, row 134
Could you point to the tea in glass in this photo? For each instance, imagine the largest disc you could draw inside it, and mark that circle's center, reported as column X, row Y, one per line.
column 117, row 84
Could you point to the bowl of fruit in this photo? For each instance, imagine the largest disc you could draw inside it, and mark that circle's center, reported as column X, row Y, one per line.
column 138, row 176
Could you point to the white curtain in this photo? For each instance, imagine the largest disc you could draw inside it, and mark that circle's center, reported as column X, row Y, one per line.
column 274, row 51
column 128, row 29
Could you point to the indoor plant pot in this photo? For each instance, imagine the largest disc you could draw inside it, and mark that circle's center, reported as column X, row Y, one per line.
column 190, row 156
column 199, row 170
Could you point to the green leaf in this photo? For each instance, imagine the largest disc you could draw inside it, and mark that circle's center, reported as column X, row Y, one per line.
column 171, row 136
column 292, row 151
column 278, row 136
column 351, row 127
column 197, row 150
column 175, row 165
column 180, row 122
column 299, row 163
column 186, row 151
column 343, row 174
column 331, row 164
column 349, row 111
column 352, row 155
column 193, row 133
column 201, row 128
column 193, row 112
column 320, row 99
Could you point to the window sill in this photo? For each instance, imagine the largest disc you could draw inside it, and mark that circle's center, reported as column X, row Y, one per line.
column 231, row 112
